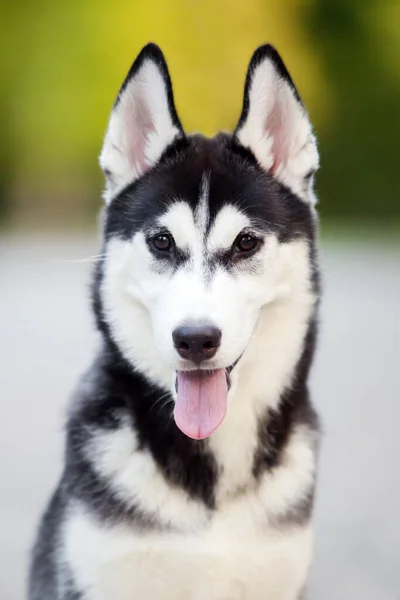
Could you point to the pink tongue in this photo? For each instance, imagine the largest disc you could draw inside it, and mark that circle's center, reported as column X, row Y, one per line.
column 201, row 404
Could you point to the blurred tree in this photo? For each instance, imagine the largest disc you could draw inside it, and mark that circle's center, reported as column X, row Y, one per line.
column 359, row 42
column 62, row 64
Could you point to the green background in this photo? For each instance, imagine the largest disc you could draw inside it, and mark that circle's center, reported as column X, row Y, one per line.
column 62, row 64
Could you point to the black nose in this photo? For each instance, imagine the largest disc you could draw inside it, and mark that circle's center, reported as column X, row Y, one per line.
column 197, row 342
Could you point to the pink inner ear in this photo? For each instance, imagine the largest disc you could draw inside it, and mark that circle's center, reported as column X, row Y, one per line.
column 139, row 125
column 277, row 127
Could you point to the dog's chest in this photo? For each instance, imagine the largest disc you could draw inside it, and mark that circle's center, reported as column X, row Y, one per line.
column 236, row 553
column 233, row 558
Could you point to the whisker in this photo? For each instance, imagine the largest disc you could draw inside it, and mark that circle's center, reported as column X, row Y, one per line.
column 95, row 258
column 161, row 398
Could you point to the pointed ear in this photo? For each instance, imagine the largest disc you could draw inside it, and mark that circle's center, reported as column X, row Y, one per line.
column 143, row 122
column 274, row 124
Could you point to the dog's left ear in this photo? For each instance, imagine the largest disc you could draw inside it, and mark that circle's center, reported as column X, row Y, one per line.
column 143, row 122
column 274, row 124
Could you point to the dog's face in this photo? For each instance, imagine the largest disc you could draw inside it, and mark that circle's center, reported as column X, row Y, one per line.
column 202, row 234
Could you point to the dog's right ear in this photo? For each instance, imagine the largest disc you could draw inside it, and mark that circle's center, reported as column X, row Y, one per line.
column 143, row 122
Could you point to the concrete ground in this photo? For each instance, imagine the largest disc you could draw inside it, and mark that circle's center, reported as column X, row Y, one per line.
column 47, row 339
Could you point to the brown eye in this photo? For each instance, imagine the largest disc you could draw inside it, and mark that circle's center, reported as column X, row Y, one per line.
column 162, row 243
column 245, row 244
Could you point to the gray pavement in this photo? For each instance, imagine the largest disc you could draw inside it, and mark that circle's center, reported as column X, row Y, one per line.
column 47, row 340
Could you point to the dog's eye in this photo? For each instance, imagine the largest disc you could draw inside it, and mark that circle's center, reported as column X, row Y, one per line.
column 245, row 244
column 162, row 243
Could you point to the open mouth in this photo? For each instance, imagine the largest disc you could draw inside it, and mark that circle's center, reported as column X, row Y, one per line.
column 201, row 400
column 227, row 375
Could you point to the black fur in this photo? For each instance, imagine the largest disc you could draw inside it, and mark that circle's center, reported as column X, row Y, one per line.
column 113, row 393
column 49, row 578
column 43, row 580
column 235, row 178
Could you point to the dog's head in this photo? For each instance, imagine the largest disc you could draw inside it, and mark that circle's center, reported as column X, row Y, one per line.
column 203, row 235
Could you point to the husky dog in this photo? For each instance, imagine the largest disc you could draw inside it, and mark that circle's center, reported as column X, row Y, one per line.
column 191, row 447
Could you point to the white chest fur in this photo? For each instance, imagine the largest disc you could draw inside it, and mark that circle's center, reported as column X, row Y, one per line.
column 223, row 563
column 237, row 553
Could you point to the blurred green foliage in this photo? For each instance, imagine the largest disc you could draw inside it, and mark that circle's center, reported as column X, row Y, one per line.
column 62, row 64
column 359, row 44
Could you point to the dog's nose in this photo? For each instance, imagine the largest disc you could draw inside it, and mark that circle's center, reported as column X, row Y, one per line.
column 197, row 342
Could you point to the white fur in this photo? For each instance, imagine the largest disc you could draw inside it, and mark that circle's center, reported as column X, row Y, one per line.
column 267, row 312
column 139, row 130
column 112, row 563
column 242, row 550
column 228, row 223
column 266, row 316
column 237, row 553
column 202, row 211
column 136, row 479
column 278, row 132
